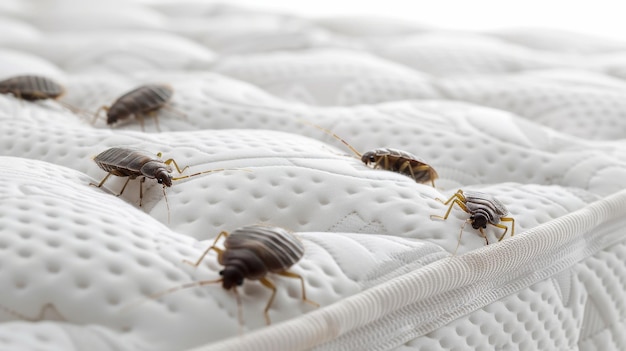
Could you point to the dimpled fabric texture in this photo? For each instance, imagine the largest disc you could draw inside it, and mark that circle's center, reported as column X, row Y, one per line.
column 533, row 118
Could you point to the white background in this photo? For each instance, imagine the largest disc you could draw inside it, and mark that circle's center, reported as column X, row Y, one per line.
column 603, row 18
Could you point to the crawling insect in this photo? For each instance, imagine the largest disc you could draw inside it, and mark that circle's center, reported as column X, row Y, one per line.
column 251, row 252
column 131, row 163
column 483, row 209
column 392, row 160
column 32, row 88
column 143, row 101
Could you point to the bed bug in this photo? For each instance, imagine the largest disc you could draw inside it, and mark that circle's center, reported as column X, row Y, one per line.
column 251, row 252
column 32, row 88
column 483, row 209
column 143, row 101
column 392, row 160
column 131, row 163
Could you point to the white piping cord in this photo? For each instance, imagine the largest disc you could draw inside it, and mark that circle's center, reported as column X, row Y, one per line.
column 580, row 234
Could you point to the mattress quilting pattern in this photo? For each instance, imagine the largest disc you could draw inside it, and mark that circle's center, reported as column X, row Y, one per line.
column 534, row 120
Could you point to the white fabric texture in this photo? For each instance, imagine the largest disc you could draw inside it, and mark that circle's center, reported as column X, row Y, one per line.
column 533, row 118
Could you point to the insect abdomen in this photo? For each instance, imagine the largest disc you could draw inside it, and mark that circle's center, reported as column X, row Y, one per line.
column 490, row 205
column 144, row 99
column 31, row 88
column 121, row 161
column 397, row 159
column 274, row 247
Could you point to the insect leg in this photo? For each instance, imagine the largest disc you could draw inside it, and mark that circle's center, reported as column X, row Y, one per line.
column 36, row 95
column 40, row 95
column 154, row 115
column 482, row 233
column 505, row 219
column 220, row 252
column 124, row 187
column 171, row 160
column 405, row 165
column 456, row 201
column 422, row 168
column 139, row 117
column 268, row 284
column 298, row 276
column 143, row 180
column 18, row 95
column 102, row 181
column 459, row 195
column 382, row 159
column 412, row 170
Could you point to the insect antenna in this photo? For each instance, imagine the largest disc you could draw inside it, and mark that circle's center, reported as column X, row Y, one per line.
column 76, row 110
column 167, row 205
column 460, row 235
column 334, row 136
column 239, row 310
column 211, row 171
column 175, row 111
column 97, row 114
column 162, row 293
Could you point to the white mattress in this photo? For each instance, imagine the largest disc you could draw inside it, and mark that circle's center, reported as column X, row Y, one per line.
column 534, row 118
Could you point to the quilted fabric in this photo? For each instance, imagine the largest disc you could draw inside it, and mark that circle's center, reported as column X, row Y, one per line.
column 531, row 118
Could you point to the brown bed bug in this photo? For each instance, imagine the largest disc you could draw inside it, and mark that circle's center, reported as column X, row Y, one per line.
column 140, row 102
column 483, row 209
column 32, row 88
column 251, row 252
column 131, row 163
column 392, row 160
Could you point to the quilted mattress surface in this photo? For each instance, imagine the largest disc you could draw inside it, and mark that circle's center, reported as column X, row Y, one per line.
column 535, row 119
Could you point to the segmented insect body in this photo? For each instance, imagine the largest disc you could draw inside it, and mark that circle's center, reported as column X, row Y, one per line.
column 392, row 160
column 124, row 162
column 483, row 208
column 31, row 88
column 401, row 162
column 140, row 102
column 250, row 253
column 131, row 163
